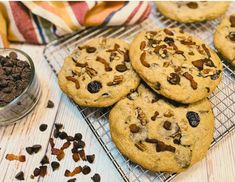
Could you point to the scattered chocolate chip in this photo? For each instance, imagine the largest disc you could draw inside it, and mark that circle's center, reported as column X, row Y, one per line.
column 169, row 40
column 81, row 144
column 44, row 160
column 50, row 104
column 36, row 148
column 105, row 63
column 70, row 138
column 126, row 56
column 168, row 32
column 206, row 50
column 65, row 145
column 86, row 170
column 187, row 42
column 12, row 157
column 90, row 49
column 162, row 147
column 20, row 176
column 76, row 157
column 216, row 75
column 63, row 135
column 58, row 126
column 190, row 78
column 90, row 158
column 167, row 125
column 232, row 20
column 56, row 133
column 82, row 154
column 153, row 118
column 121, row 68
column 74, row 80
column 43, row 171
column 193, row 118
column 67, row 173
column 143, row 60
column 94, row 86
column 81, row 65
column 36, row 172
column 43, row 127
column 173, row 79
column 151, row 140
column 231, row 36
column 78, row 136
column 134, row 128
column 29, row 150
column 198, row 64
column 96, row 177
column 157, row 86
column 55, row 165
column 192, row 5
column 72, row 180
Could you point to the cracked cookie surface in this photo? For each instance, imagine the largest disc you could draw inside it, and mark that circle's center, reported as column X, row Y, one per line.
column 160, row 134
column 176, row 64
column 98, row 73
column 224, row 38
column 189, row 12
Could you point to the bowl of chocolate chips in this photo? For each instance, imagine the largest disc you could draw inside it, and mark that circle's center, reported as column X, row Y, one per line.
column 19, row 87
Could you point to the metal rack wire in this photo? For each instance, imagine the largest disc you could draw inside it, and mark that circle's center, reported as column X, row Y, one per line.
column 223, row 98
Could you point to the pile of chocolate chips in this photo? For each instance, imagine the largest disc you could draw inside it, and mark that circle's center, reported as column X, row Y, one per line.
column 14, row 77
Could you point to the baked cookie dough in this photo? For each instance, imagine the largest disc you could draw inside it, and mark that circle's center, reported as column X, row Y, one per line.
column 176, row 64
column 98, row 73
column 224, row 38
column 160, row 135
column 188, row 12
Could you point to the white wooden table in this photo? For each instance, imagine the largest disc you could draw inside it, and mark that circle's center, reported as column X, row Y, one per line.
column 218, row 166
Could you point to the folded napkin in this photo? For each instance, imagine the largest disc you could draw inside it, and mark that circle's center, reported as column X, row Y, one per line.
column 41, row 22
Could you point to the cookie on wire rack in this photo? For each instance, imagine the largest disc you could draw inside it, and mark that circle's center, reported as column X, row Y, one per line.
column 188, row 12
column 224, row 38
column 176, row 64
column 98, row 73
column 161, row 135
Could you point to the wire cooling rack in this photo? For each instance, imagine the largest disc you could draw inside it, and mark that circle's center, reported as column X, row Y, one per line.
column 223, row 98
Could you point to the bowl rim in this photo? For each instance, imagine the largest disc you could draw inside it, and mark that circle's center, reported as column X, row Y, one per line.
column 15, row 101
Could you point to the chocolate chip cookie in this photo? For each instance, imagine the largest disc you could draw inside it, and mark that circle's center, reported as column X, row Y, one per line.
column 224, row 38
column 98, row 73
column 189, row 12
column 176, row 64
column 159, row 134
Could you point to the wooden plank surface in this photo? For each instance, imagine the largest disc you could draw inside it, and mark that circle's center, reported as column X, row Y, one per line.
column 219, row 164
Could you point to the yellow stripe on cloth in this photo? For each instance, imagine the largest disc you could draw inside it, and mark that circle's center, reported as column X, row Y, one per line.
column 3, row 29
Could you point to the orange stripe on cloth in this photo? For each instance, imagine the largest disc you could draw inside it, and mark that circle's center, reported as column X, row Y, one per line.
column 97, row 15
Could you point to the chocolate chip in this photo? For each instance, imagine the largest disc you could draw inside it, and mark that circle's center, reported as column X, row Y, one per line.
column 134, row 128
column 43, row 127
column 193, row 118
column 58, row 126
column 90, row 158
column 50, row 104
column 153, row 118
column 231, row 36
column 173, row 79
column 29, row 150
column 143, row 60
column 63, row 135
column 72, row 180
column 198, row 64
column 55, row 165
column 74, row 80
column 44, row 160
column 207, row 89
column 90, row 49
column 167, row 125
column 216, row 75
column 162, row 147
column 126, row 56
column 86, row 170
column 190, row 78
column 168, row 32
column 76, row 157
column 81, row 144
column 192, row 5
column 94, row 86
column 78, row 136
column 176, row 141
column 121, row 68
column 56, row 133
column 43, row 170
column 157, row 86
column 70, row 138
column 232, row 20
column 36, row 148
column 36, row 172
column 20, row 176
column 96, row 177
column 51, row 141
column 169, row 40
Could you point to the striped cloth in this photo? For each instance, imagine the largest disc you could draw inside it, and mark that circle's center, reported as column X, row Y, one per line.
column 41, row 22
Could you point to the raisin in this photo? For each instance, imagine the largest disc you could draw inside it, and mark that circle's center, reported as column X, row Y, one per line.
column 94, row 87
column 231, row 36
column 90, row 49
column 121, row 67
column 162, row 147
column 169, row 40
column 13, row 55
column 78, row 136
column 173, row 79
column 192, row 5
column 193, row 118
column 167, row 125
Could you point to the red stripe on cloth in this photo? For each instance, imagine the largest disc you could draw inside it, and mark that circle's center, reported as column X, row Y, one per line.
column 80, row 9
column 23, row 22
column 145, row 14
column 133, row 13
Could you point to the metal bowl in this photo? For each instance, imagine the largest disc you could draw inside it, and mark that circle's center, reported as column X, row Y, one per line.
column 25, row 102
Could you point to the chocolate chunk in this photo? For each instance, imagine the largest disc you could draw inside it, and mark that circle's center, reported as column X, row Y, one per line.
column 167, row 125
column 126, row 56
column 56, row 133
column 192, row 5
column 96, row 177
column 78, row 136
column 29, row 150
column 142, row 45
column 231, row 36
column 82, row 154
column 50, row 104
column 43, row 171
column 65, row 145
column 20, row 176
column 44, row 160
column 232, row 20
column 206, row 50
column 90, row 49
column 216, row 75
column 121, row 68
column 162, row 147
column 190, row 78
column 193, row 118
column 36, row 172
column 55, row 165
column 90, row 158
column 86, row 170
column 116, row 80
column 153, row 118
column 74, row 80
column 173, row 79
column 143, row 60
column 94, row 86
column 72, row 180
column 169, row 40
column 198, row 64
column 58, row 126
column 43, row 127
column 151, row 140
column 63, row 135
column 168, row 32
column 134, row 128
column 70, row 138
column 209, row 62
column 157, row 86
